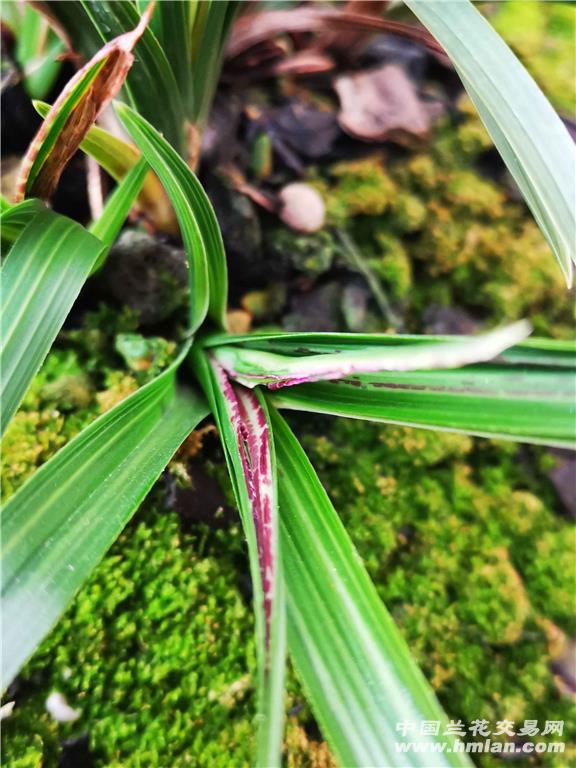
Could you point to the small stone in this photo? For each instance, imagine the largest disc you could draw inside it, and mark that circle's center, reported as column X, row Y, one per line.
column 302, row 208
column 59, row 709
column 6, row 709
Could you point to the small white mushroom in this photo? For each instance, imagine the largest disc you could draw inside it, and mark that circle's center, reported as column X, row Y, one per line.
column 59, row 709
column 302, row 207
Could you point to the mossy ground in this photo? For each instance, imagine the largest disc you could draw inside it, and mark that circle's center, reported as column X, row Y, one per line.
column 463, row 538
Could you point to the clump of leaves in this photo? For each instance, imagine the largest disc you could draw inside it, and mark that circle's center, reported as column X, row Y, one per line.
column 311, row 590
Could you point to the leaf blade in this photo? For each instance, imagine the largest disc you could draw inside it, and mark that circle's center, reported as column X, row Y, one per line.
column 356, row 668
column 243, row 424
column 58, row 526
column 251, row 367
column 529, row 135
column 200, row 231
column 527, row 396
column 74, row 111
column 41, row 278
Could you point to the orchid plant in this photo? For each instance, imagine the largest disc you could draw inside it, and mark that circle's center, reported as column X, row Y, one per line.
column 313, row 597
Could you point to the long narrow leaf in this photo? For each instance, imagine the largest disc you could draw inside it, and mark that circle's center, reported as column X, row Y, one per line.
column 198, row 224
column 40, row 280
column 242, row 420
column 529, row 395
column 251, row 367
column 529, row 135
column 356, row 669
column 58, row 526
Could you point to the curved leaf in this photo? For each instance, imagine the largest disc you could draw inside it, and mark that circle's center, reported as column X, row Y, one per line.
column 40, row 280
column 118, row 157
column 60, row 523
column 198, row 224
column 527, row 395
column 74, row 111
column 527, row 132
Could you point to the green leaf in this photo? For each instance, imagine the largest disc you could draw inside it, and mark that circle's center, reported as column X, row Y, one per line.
column 172, row 23
column 242, row 420
column 40, row 280
column 526, row 395
column 527, row 132
column 118, row 207
column 15, row 218
column 343, row 358
column 60, row 523
column 37, row 50
column 357, row 671
column 211, row 26
column 198, row 224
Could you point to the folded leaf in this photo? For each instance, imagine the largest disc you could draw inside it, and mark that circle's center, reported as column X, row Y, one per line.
column 74, row 111
column 357, row 671
column 15, row 218
column 251, row 367
column 60, row 523
column 40, row 280
column 527, row 395
column 242, row 420
column 527, row 132
column 198, row 224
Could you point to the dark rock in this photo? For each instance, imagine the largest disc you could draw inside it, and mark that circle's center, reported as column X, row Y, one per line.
column 317, row 310
column 391, row 49
column 76, row 753
column 563, row 478
column 248, row 266
column 220, row 143
column 308, row 131
column 146, row 275
column 203, row 502
column 449, row 320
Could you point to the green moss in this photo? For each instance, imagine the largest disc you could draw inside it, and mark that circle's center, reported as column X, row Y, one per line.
column 436, row 232
column 461, row 540
column 154, row 648
column 311, row 254
column 542, row 34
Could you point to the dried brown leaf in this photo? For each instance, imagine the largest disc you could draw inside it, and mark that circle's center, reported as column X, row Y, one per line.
column 117, row 58
column 381, row 104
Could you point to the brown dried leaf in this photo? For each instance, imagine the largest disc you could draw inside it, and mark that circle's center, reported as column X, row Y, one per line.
column 381, row 104
column 254, row 28
column 117, row 59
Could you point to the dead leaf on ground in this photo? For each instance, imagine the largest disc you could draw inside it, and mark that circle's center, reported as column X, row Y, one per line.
column 254, row 28
column 383, row 103
column 117, row 58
